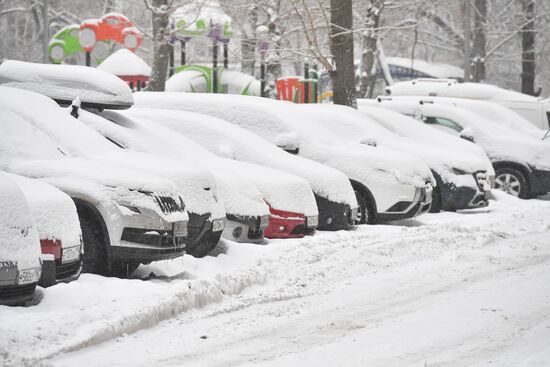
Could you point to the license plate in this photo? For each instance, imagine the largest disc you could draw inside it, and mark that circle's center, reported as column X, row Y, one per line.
column 28, row 276
column 312, row 221
column 180, row 229
column 70, row 254
column 218, row 225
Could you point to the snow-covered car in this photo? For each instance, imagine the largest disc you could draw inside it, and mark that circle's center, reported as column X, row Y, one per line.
column 461, row 177
column 388, row 185
column 491, row 111
column 335, row 199
column 521, row 162
column 127, row 216
column 290, row 198
column 247, row 213
column 535, row 110
column 56, row 221
column 110, row 27
column 20, row 262
column 97, row 89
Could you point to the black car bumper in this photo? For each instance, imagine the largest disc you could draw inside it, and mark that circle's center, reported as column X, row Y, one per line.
column 14, row 295
column 241, row 228
column 54, row 272
column 540, row 182
column 457, row 198
column 334, row 216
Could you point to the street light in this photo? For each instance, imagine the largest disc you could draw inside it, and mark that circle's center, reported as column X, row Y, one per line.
column 262, row 35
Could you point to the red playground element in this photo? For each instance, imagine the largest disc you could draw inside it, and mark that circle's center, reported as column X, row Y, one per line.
column 286, row 88
column 283, row 224
column 112, row 26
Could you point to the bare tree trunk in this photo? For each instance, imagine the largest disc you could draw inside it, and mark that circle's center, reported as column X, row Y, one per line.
column 341, row 46
column 480, row 40
column 370, row 41
column 248, row 43
column 161, row 46
column 528, row 48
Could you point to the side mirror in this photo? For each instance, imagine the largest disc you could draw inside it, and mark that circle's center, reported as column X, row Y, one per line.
column 467, row 134
column 288, row 142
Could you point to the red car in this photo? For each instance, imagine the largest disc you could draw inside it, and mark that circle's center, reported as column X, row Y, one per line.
column 112, row 26
column 285, row 224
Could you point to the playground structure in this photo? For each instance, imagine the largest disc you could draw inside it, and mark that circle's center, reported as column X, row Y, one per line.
column 129, row 67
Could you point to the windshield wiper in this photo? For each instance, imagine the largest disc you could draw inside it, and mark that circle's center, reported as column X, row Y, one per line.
column 546, row 135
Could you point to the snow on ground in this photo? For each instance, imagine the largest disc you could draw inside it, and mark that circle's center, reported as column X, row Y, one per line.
column 466, row 288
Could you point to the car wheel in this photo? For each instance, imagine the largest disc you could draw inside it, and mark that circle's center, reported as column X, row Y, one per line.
column 123, row 269
column 87, row 38
column 94, row 259
column 436, row 200
column 130, row 41
column 365, row 213
column 57, row 53
column 206, row 244
column 512, row 182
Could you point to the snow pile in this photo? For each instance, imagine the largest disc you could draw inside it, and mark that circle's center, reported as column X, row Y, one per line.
column 187, row 81
column 239, row 83
column 426, row 87
column 354, row 126
column 499, row 142
column 52, row 211
column 238, row 196
column 19, row 242
column 281, row 190
column 67, row 82
column 435, row 70
column 231, row 141
column 125, row 63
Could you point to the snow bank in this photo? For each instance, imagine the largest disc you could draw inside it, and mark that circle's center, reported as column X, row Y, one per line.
column 282, row 190
column 19, row 241
column 187, row 81
column 67, row 82
column 124, row 62
column 52, row 211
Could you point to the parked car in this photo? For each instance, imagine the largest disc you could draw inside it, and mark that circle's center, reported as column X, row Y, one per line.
column 387, row 184
column 491, row 111
column 531, row 108
column 64, row 83
column 20, row 263
column 462, row 181
column 127, row 216
column 521, row 162
column 335, row 199
column 111, row 26
column 56, row 220
column 247, row 213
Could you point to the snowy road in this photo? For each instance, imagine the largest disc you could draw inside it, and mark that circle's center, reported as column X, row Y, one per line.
column 450, row 289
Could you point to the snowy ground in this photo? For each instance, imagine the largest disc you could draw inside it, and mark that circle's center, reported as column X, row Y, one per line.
column 453, row 289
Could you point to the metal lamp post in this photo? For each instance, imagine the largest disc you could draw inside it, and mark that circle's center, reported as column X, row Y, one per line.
column 262, row 34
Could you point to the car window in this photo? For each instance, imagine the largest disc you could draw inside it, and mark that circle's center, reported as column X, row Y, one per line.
column 548, row 119
column 440, row 121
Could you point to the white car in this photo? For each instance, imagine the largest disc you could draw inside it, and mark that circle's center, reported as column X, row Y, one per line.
column 127, row 216
column 531, row 108
column 247, row 212
column 461, row 177
column 56, row 221
column 521, row 162
column 93, row 88
column 20, row 258
column 334, row 196
column 388, row 185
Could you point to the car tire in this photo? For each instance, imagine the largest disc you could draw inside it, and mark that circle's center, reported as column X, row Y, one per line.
column 206, row 244
column 57, row 53
column 512, row 181
column 123, row 269
column 365, row 212
column 94, row 259
column 436, row 200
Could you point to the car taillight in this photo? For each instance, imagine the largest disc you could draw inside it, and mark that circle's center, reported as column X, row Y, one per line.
column 52, row 247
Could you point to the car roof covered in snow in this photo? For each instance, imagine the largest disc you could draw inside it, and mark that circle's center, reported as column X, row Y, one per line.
column 65, row 83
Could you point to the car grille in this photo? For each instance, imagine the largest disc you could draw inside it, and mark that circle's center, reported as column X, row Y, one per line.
column 63, row 271
column 12, row 291
column 151, row 237
column 169, row 204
